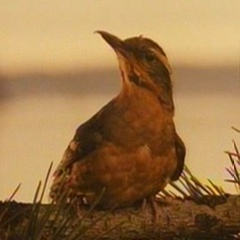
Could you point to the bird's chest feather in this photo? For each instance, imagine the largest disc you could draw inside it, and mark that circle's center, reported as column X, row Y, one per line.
column 137, row 120
column 125, row 176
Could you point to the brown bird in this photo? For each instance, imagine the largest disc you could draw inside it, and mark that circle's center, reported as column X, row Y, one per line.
column 129, row 150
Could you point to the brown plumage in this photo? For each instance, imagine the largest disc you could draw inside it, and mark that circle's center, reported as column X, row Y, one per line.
column 129, row 150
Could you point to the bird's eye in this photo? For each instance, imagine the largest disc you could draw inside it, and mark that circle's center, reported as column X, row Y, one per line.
column 149, row 57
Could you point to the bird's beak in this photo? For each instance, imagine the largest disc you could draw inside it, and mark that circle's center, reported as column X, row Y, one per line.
column 123, row 54
column 116, row 43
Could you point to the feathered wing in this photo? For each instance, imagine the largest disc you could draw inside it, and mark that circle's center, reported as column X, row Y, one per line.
column 86, row 140
column 181, row 152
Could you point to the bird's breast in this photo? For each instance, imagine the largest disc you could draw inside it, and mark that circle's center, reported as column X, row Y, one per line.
column 137, row 120
column 125, row 176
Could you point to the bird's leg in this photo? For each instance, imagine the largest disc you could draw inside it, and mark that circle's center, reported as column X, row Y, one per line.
column 153, row 206
column 144, row 203
column 150, row 201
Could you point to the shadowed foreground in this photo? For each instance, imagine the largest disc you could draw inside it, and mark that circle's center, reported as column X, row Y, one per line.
column 176, row 219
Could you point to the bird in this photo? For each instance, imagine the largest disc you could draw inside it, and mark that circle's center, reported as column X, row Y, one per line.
column 130, row 149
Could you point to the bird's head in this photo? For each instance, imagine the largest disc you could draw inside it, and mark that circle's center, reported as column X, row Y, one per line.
column 143, row 63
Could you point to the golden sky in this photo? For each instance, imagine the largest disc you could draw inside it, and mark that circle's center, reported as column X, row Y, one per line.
column 58, row 35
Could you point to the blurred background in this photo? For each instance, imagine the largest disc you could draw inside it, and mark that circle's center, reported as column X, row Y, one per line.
column 55, row 74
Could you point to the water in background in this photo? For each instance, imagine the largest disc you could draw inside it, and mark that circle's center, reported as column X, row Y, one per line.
column 39, row 114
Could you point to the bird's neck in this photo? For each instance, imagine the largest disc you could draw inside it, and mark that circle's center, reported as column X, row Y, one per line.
column 166, row 99
column 131, row 93
column 133, row 89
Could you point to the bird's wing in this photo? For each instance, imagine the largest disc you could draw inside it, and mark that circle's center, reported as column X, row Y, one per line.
column 181, row 152
column 85, row 140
